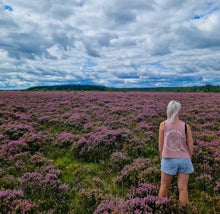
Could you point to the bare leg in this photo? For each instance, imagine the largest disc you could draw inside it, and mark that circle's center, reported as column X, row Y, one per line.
column 165, row 184
column 183, row 187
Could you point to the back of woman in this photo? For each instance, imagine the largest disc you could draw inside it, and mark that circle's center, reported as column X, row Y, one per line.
column 175, row 140
column 176, row 149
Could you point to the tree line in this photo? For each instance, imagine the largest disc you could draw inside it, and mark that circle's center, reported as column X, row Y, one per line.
column 205, row 88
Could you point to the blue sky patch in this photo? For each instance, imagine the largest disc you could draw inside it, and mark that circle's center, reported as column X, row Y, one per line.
column 155, row 64
column 196, row 17
column 7, row 7
column 89, row 63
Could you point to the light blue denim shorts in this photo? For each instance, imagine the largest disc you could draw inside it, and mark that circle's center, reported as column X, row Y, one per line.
column 173, row 166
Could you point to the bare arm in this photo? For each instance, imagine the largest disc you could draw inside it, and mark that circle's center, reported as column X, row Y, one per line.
column 161, row 138
column 190, row 140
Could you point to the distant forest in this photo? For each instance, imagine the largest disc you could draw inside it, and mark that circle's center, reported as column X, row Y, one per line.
column 205, row 88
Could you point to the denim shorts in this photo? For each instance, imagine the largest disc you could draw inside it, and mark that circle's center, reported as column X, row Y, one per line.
column 173, row 166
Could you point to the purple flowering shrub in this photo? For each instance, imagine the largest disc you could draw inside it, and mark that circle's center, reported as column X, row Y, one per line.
column 117, row 124
column 38, row 160
column 101, row 144
column 16, row 147
column 8, row 181
column 130, row 174
column 65, row 139
column 89, row 199
column 15, row 130
column 13, row 154
column 217, row 187
column 77, row 120
column 34, row 140
column 134, row 147
column 114, row 205
column 118, row 160
column 206, row 161
column 141, row 199
column 44, row 119
column 30, row 184
column 13, row 201
column 151, row 174
column 45, row 186
column 146, row 197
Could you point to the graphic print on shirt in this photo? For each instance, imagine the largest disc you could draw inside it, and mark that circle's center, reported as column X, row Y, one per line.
column 175, row 140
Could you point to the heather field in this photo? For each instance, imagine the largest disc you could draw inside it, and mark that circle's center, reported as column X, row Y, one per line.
column 97, row 152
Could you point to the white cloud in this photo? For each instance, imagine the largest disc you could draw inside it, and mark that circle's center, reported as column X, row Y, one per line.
column 132, row 43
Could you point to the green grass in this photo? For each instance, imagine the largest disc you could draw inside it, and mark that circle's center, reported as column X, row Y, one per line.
column 75, row 170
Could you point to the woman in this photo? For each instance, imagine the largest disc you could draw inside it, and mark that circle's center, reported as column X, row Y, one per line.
column 176, row 150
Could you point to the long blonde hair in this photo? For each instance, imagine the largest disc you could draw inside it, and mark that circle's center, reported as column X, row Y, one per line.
column 173, row 109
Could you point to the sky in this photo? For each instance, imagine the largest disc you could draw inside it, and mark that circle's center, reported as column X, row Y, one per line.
column 115, row 43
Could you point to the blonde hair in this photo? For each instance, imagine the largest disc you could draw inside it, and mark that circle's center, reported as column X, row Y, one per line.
column 173, row 109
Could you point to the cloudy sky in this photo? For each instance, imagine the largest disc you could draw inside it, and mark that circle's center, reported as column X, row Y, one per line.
column 116, row 43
